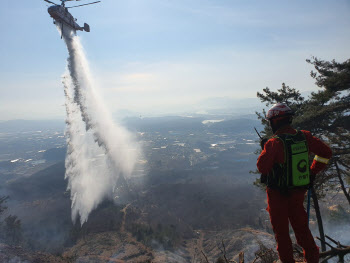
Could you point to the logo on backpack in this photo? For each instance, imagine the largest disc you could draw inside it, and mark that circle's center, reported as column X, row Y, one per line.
column 302, row 166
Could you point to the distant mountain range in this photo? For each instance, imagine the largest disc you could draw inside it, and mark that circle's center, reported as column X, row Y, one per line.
column 233, row 104
column 193, row 124
column 209, row 106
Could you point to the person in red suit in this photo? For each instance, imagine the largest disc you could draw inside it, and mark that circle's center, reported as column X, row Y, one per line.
column 284, row 161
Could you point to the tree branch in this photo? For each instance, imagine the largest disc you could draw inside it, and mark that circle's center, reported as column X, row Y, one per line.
column 341, row 181
column 340, row 251
column 206, row 259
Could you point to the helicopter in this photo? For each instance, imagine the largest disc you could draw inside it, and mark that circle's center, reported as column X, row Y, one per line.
column 61, row 15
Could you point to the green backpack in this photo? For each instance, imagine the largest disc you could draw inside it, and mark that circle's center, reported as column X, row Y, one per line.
column 295, row 171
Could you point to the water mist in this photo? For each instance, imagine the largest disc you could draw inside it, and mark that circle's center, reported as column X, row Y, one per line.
column 100, row 153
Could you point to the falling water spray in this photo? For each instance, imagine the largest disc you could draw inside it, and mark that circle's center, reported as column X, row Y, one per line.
column 100, row 153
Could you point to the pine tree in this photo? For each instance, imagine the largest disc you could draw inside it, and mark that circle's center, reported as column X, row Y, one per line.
column 330, row 108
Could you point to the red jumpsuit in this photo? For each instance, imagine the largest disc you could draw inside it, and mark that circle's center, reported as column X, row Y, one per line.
column 290, row 208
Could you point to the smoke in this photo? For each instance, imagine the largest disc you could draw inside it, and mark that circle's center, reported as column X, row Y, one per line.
column 338, row 230
column 100, row 153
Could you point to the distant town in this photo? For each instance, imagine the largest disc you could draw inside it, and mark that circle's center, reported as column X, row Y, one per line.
column 194, row 144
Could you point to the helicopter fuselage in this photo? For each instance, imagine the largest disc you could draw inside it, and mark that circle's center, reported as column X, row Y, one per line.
column 61, row 15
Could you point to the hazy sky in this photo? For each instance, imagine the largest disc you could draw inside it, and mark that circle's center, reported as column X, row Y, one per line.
column 152, row 55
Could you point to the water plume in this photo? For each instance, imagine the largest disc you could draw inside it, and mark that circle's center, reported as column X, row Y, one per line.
column 100, row 153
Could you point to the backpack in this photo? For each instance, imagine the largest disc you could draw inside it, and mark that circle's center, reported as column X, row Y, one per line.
column 295, row 171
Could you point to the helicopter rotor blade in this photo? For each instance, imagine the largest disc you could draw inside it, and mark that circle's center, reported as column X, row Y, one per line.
column 50, row 2
column 85, row 4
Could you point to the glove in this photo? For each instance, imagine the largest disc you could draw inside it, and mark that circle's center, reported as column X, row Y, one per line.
column 262, row 143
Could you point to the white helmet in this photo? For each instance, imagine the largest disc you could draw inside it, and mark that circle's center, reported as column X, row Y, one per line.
column 279, row 110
